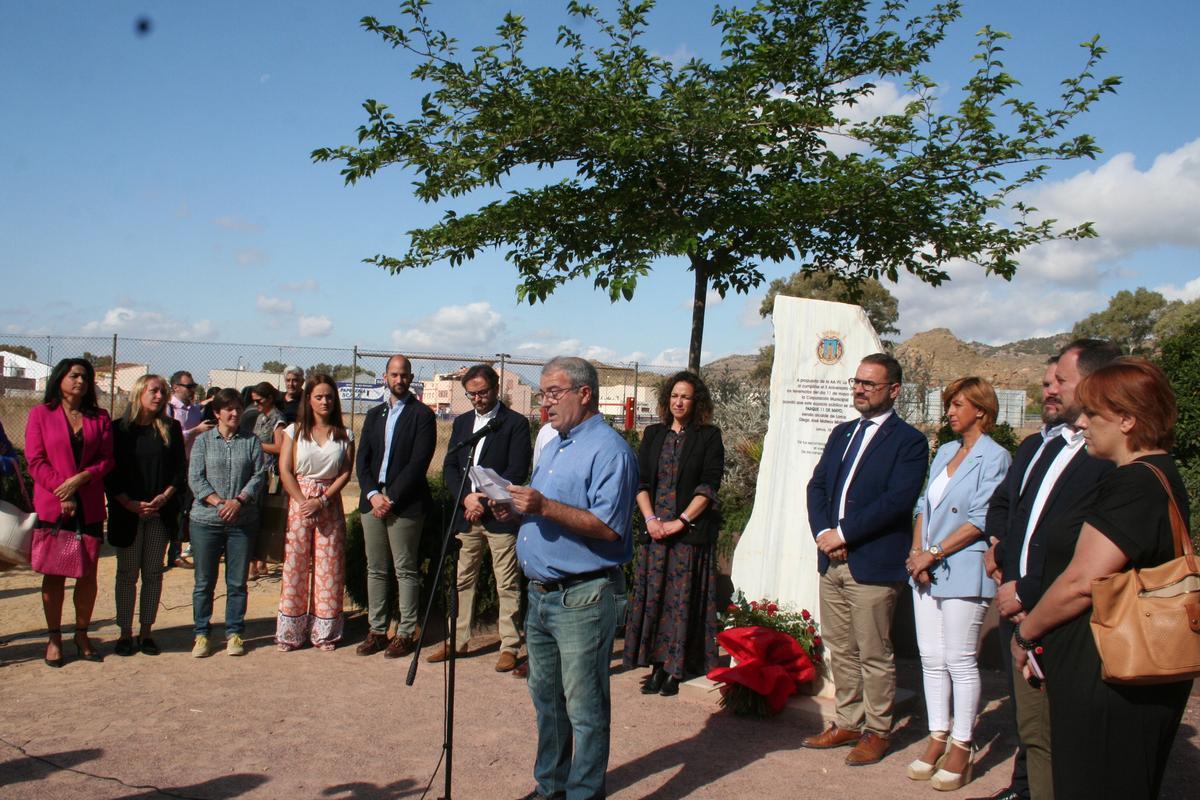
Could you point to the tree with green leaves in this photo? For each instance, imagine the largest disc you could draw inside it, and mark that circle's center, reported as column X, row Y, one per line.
column 1177, row 317
column 615, row 157
column 274, row 366
column 21, row 350
column 1178, row 360
column 1128, row 320
column 877, row 302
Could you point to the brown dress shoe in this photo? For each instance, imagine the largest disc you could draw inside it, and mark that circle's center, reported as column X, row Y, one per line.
column 833, row 736
column 372, row 644
column 443, row 652
column 399, row 647
column 869, row 750
column 507, row 661
column 521, row 670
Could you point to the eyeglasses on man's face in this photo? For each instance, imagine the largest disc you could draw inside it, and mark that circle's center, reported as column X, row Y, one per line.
column 554, row 394
column 869, row 386
column 480, row 395
column 187, row 385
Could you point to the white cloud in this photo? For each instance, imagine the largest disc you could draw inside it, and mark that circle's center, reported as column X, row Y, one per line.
column 231, row 223
column 1188, row 292
column 748, row 316
column 1134, row 210
column 274, row 305
column 711, row 300
column 148, row 324
column 679, row 56
column 250, row 256
column 306, row 285
column 549, row 349
column 885, row 99
column 314, row 326
column 469, row 326
column 671, row 357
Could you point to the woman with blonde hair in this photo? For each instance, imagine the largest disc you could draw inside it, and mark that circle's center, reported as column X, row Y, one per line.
column 144, row 491
column 951, row 587
column 314, row 467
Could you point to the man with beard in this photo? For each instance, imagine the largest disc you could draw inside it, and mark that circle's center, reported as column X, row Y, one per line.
column 860, row 509
column 397, row 443
column 1049, row 474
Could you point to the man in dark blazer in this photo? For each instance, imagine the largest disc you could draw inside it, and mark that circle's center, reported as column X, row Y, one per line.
column 507, row 449
column 1051, row 472
column 860, row 509
column 394, row 451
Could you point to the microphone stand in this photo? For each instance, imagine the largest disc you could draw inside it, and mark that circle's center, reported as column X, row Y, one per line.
column 450, row 547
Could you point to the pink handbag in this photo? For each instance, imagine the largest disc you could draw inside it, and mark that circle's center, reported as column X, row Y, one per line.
column 66, row 553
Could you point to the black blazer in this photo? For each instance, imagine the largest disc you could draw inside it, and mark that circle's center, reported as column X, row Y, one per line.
column 128, row 478
column 701, row 462
column 508, row 451
column 880, row 500
column 413, row 443
column 1071, row 491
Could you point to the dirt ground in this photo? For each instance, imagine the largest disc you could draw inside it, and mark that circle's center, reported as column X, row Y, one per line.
column 311, row 724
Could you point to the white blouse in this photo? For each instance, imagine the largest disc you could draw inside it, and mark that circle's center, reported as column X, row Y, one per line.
column 937, row 488
column 321, row 462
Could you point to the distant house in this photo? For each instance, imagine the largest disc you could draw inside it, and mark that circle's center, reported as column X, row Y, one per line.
column 22, row 370
column 445, row 395
column 120, row 379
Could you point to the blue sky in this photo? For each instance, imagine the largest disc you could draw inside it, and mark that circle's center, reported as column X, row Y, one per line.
column 160, row 186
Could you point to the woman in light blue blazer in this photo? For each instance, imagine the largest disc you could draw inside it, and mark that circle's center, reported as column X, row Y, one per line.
column 951, row 588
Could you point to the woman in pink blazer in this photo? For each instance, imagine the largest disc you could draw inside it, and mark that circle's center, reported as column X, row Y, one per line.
column 69, row 447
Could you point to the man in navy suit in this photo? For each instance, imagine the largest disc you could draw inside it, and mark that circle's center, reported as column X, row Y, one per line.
column 860, row 508
column 507, row 450
column 394, row 451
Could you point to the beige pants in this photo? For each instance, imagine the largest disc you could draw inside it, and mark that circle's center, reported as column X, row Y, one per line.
column 856, row 625
column 1033, row 726
column 508, row 582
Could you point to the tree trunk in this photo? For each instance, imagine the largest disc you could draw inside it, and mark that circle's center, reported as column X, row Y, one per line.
column 700, row 266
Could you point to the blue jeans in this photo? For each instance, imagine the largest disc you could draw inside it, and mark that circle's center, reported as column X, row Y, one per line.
column 569, row 635
column 208, row 542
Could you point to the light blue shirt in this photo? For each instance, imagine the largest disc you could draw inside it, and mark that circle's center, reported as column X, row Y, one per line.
column 591, row 468
column 395, row 409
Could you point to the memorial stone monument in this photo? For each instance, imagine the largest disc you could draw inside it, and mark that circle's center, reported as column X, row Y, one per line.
column 818, row 346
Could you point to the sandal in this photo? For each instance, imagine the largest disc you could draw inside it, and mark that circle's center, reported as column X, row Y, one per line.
column 85, row 651
column 945, row 781
column 922, row 770
column 54, row 662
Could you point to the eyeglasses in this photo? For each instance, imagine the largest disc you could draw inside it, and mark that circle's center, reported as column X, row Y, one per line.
column 554, row 394
column 482, row 393
column 869, row 386
column 187, row 385
column 258, row 401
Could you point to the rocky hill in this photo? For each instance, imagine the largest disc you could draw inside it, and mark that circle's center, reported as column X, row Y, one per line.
column 938, row 356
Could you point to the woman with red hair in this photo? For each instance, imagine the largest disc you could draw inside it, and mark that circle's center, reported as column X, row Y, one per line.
column 1109, row 740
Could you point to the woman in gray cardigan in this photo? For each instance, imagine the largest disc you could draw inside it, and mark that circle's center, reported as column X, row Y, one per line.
column 226, row 473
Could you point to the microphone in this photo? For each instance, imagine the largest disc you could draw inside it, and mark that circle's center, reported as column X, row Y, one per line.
column 470, row 441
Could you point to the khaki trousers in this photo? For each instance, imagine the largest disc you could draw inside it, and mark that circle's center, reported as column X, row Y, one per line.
column 508, row 582
column 856, row 625
column 1033, row 726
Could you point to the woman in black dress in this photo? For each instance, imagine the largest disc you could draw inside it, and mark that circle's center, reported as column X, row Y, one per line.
column 672, row 622
column 1109, row 740
column 144, row 491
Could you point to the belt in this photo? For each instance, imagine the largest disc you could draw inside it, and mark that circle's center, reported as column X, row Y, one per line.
column 546, row 587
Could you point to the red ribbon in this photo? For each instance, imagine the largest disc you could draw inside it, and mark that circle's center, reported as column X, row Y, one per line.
column 768, row 662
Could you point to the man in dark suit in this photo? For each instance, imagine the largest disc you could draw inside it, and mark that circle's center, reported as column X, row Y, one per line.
column 1050, row 473
column 507, row 450
column 396, row 446
column 860, row 509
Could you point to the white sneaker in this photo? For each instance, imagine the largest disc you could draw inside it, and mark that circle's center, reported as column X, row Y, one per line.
column 200, row 648
column 234, row 646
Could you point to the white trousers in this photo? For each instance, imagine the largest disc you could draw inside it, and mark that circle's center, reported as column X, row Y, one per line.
column 948, row 637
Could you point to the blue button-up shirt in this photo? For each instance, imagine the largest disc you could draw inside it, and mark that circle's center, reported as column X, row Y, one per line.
column 395, row 409
column 591, row 468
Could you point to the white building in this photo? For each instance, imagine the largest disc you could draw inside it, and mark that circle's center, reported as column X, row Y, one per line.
column 15, row 366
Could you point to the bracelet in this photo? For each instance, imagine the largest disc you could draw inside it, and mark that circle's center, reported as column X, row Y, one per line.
column 651, row 519
column 684, row 519
column 1024, row 643
column 915, row 550
column 324, row 501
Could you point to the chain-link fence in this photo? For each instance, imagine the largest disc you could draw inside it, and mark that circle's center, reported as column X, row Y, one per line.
column 627, row 390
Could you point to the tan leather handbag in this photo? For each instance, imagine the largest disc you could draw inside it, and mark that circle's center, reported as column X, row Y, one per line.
column 1146, row 622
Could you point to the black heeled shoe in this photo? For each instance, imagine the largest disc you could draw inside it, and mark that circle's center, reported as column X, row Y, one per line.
column 670, row 687
column 85, row 655
column 55, row 662
column 654, row 683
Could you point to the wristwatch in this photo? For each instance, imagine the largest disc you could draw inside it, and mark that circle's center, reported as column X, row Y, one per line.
column 936, row 551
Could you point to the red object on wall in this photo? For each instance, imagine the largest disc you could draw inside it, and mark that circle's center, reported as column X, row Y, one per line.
column 628, row 413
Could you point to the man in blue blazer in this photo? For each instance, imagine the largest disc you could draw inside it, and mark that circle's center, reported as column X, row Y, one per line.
column 394, row 451
column 860, row 510
column 506, row 449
